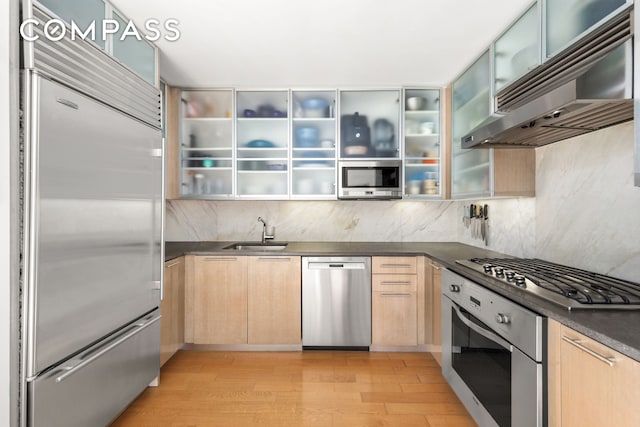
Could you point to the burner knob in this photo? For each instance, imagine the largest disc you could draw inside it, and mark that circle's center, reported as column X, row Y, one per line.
column 454, row 288
column 502, row 318
column 510, row 275
column 499, row 271
column 487, row 268
column 520, row 281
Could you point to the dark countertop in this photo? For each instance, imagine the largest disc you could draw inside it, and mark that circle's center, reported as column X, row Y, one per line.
column 616, row 328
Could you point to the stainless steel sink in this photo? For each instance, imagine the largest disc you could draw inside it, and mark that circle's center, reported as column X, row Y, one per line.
column 256, row 246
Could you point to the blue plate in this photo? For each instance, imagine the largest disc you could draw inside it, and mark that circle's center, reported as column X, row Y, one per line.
column 260, row 143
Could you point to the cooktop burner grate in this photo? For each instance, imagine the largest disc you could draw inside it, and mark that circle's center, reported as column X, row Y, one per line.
column 584, row 287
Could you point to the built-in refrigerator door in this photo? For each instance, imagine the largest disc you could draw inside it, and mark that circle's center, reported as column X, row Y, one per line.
column 95, row 386
column 93, row 236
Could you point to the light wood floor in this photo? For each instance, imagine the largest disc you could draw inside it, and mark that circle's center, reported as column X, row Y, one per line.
column 327, row 389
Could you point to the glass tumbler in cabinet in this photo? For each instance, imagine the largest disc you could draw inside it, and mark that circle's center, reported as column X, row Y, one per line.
column 207, row 144
column 262, row 144
column 422, row 128
column 313, row 151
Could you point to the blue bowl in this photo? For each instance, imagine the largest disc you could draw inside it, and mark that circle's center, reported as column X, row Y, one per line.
column 314, row 104
column 260, row 143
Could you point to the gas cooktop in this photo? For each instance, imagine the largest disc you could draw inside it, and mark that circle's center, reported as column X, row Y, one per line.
column 569, row 287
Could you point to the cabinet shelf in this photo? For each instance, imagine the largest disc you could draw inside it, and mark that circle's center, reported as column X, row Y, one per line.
column 207, row 119
column 414, row 113
column 212, row 168
column 262, row 119
column 474, row 169
column 271, row 172
column 422, row 135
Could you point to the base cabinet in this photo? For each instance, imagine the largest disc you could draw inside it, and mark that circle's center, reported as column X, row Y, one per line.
column 172, row 309
column 218, row 300
column 395, row 308
column 274, row 301
column 433, row 317
column 589, row 384
column 240, row 300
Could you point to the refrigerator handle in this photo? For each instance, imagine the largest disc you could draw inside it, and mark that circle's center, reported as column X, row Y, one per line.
column 140, row 326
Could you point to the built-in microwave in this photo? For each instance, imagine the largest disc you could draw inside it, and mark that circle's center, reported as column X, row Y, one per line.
column 369, row 179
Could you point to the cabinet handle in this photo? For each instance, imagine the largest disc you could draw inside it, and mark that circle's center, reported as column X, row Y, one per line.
column 274, row 258
column 220, row 259
column 396, row 295
column 173, row 265
column 396, row 283
column 396, row 266
column 576, row 343
column 436, row 267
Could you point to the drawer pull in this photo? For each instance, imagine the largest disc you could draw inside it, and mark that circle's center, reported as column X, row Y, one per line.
column 220, row 259
column 396, row 265
column 274, row 258
column 173, row 265
column 436, row 267
column 396, row 295
column 400, row 283
column 576, row 343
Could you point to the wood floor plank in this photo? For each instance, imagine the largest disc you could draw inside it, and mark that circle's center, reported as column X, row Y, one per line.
column 291, row 389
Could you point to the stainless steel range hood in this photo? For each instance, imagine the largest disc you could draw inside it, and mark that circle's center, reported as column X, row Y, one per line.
column 586, row 87
column 600, row 96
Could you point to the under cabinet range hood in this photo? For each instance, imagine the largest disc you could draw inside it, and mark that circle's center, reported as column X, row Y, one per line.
column 586, row 88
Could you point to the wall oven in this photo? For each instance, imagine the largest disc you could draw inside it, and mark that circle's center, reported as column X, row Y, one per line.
column 493, row 353
column 370, row 179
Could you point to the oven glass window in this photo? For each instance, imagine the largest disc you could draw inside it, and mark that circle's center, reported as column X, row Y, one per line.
column 373, row 177
column 484, row 366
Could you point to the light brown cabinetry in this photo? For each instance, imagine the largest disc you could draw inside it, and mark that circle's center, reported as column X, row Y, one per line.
column 589, row 384
column 274, row 300
column 172, row 309
column 217, row 300
column 172, row 142
column 433, row 317
column 396, row 284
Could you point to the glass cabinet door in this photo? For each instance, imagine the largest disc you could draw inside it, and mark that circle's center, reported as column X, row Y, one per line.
column 262, row 138
column 369, row 124
column 83, row 13
column 471, row 107
column 313, row 151
column 518, row 49
column 207, row 143
column 138, row 55
column 568, row 19
column 422, row 152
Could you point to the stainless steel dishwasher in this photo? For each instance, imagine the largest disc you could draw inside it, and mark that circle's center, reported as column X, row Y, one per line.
column 336, row 302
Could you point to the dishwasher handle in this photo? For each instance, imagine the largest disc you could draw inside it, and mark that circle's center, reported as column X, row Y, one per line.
column 337, row 265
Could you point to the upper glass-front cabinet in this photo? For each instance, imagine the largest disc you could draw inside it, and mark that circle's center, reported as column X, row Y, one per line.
column 313, row 152
column 568, row 19
column 518, row 49
column 139, row 55
column 422, row 129
column 262, row 138
column 369, row 123
column 471, row 107
column 207, row 143
column 83, row 13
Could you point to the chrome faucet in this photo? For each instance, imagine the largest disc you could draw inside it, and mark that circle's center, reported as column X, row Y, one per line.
column 265, row 236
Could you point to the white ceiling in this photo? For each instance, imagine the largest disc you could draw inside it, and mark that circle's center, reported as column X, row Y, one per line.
column 322, row 43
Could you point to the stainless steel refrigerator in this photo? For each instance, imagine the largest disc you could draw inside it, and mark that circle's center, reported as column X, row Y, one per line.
column 92, row 256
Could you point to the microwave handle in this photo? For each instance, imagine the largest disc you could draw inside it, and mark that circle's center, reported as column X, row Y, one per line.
column 484, row 332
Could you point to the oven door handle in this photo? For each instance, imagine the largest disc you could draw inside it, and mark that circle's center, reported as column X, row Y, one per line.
column 484, row 332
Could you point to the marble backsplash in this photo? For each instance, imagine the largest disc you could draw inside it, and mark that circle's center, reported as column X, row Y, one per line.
column 587, row 208
column 345, row 221
column 585, row 213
